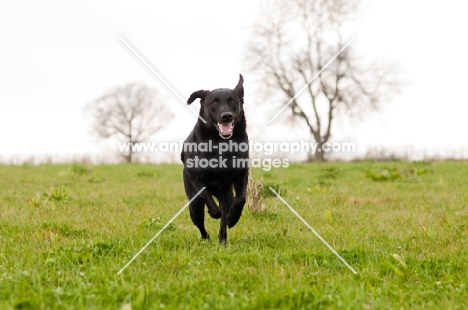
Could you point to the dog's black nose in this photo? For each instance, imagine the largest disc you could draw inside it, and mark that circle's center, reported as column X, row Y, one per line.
column 226, row 117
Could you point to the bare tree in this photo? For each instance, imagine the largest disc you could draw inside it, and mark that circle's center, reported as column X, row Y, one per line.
column 131, row 113
column 293, row 40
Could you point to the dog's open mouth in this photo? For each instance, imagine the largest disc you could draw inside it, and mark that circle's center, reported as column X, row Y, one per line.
column 225, row 130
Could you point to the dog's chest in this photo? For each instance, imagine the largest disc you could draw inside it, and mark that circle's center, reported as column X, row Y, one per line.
column 219, row 181
column 231, row 154
column 216, row 162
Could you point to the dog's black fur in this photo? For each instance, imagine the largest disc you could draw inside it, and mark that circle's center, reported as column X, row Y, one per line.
column 221, row 108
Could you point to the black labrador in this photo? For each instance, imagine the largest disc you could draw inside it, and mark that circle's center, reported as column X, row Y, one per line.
column 216, row 156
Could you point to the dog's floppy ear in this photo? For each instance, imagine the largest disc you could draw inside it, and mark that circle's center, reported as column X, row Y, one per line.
column 198, row 94
column 239, row 89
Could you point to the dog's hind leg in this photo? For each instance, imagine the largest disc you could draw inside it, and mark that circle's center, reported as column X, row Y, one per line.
column 225, row 202
column 235, row 211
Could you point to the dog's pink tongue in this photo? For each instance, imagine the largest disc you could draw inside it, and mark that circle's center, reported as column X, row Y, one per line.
column 225, row 128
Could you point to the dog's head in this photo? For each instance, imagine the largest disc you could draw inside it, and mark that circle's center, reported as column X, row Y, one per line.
column 222, row 107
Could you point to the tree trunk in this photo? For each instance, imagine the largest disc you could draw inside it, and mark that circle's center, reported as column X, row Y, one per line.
column 319, row 154
column 128, row 157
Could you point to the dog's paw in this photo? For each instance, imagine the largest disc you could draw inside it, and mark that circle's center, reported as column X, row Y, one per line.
column 232, row 219
column 235, row 211
column 216, row 213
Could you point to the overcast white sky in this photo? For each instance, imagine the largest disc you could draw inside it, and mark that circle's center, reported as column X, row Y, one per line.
column 58, row 55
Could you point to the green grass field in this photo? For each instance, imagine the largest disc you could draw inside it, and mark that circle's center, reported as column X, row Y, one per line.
column 66, row 230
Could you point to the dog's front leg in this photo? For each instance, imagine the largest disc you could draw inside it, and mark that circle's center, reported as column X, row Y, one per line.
column 213, row 209
column 225, row 202
column 235, row 211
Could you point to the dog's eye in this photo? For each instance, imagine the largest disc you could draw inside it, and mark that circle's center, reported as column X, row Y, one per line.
column 232, row 103
column 214, row 103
